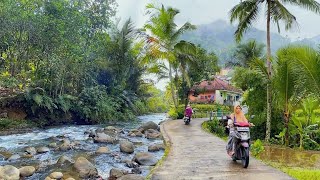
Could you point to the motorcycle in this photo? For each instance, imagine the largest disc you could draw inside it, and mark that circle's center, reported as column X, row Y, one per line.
column 187, row 120
column 242, row 144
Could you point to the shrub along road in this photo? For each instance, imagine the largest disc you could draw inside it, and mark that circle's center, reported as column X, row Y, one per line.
column 196, row 154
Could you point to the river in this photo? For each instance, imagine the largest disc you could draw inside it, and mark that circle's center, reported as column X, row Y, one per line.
column 15, row 144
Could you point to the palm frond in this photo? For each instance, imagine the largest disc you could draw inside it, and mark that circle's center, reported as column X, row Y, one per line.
column 184, row 28
column 310, row 5
column 281, row 13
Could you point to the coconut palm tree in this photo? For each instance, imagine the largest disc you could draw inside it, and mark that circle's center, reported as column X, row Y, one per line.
column 161, row 34
column 247, row 11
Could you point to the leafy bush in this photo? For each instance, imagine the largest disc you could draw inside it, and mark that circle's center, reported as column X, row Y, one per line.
column 173, row 113
column 257, row 147
column 215, row 127
column 9, row 123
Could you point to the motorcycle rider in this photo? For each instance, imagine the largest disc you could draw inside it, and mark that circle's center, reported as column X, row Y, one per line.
column 188, row 112
column 236, row 117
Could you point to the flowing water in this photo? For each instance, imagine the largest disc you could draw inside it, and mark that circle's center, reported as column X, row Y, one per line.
column 291, row 157
column 15, row 144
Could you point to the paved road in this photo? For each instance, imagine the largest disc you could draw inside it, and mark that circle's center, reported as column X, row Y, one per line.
column 198, row 155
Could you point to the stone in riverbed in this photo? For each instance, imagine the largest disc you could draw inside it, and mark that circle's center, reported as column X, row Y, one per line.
column 145, row 159
column 53, row 145
column 64, row 160
column 9, row 172
column 136, row 170
column 152, row 134
column 27, row 171
column 85, row 168
column 56, row 175
column 131, row 177
column 134, row 133
column 104, row 138
column 148, row 125
column 126, row 147
column 66, row 145
column 14, row 157
column 31, row 150
column 156, row 147
column 103, row 150
column 43, row 150
column 131, row 164
column 116, row 173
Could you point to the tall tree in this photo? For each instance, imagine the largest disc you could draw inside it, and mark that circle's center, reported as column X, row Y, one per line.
column 162, row 36
column 247, row 11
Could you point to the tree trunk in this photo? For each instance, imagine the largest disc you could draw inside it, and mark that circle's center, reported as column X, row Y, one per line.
column 286, row 124
column 269, row 98
column 172, row 87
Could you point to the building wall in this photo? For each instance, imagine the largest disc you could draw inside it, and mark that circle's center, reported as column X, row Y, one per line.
column 203, row 97
column 220, row 97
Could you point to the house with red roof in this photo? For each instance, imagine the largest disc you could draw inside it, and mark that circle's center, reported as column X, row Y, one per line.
column 215, row 91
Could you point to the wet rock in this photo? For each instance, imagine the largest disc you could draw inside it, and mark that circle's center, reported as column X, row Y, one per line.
column 56, row 175
column 92, row 133
column 156, row 147
column 85, row 168
column 70, row 179
column 103, row 150
column 145, row 159
column 14, row 157
column 116, row 173
column 136, row 170
column 48, row 178
column 104, row 138
column 131, row 177
column 66, row 145
column 152, row 134
column 131, row 164
column 148, row 125
column 27, row 171
column 64, row 160
column 99, row 130
column 26, row 155
column 126, row 147
column 53, row 145
column 31, row 150
column 134, row 133
column 4, row 115
column 9, row 172
column 111, row 131
column 43, row 150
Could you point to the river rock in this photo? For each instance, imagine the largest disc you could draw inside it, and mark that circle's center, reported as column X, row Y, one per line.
column 145, row 159
column 103, row 150
column 131, row 177
column 85, row 168
column 104, row 138
column 27, row 171
column 126, row 147
column 152, row 134
column 43, row 150
column 135, row 132
column 111, row 131
column 116, row 173
column 66, row 145
column 70, row 179
column 53, row 145
column 31, row 150
column 131, row 164
column 136, row 170
column 148, row 125
column 156, row 147
column 14, row 157
column 9, row 172
column 56, row 175
column 64, row 160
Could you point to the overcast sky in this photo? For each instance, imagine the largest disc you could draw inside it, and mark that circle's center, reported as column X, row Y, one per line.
column 206, row 11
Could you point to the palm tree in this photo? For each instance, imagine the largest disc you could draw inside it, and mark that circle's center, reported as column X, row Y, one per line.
column 162, row 36
column 246, row 52
column 247, row 11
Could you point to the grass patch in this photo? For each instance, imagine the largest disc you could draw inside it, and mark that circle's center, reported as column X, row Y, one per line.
column 11, row 124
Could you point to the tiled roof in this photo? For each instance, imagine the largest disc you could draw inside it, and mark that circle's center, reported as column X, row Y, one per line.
column 216, row 84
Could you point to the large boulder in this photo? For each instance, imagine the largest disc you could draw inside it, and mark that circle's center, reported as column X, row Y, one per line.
column 103, row 150
column 31, row 150
column 43, row 150
column 116, row 173
column 64, row 160
column 126, row 147
column 145, row 159
column 27, row 171
column 53, row 145
column 131, row 177
column 156, row 147
column 9, row 172
column 56, row 175
column 148, row 125
column 85, row 168
column 111, row 131
column 152, row 134
column 104, row 138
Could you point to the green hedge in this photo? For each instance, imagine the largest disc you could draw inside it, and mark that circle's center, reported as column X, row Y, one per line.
column 201, row 110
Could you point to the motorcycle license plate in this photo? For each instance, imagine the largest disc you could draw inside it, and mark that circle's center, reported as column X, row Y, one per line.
column 243, row 128
column 244, row 135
